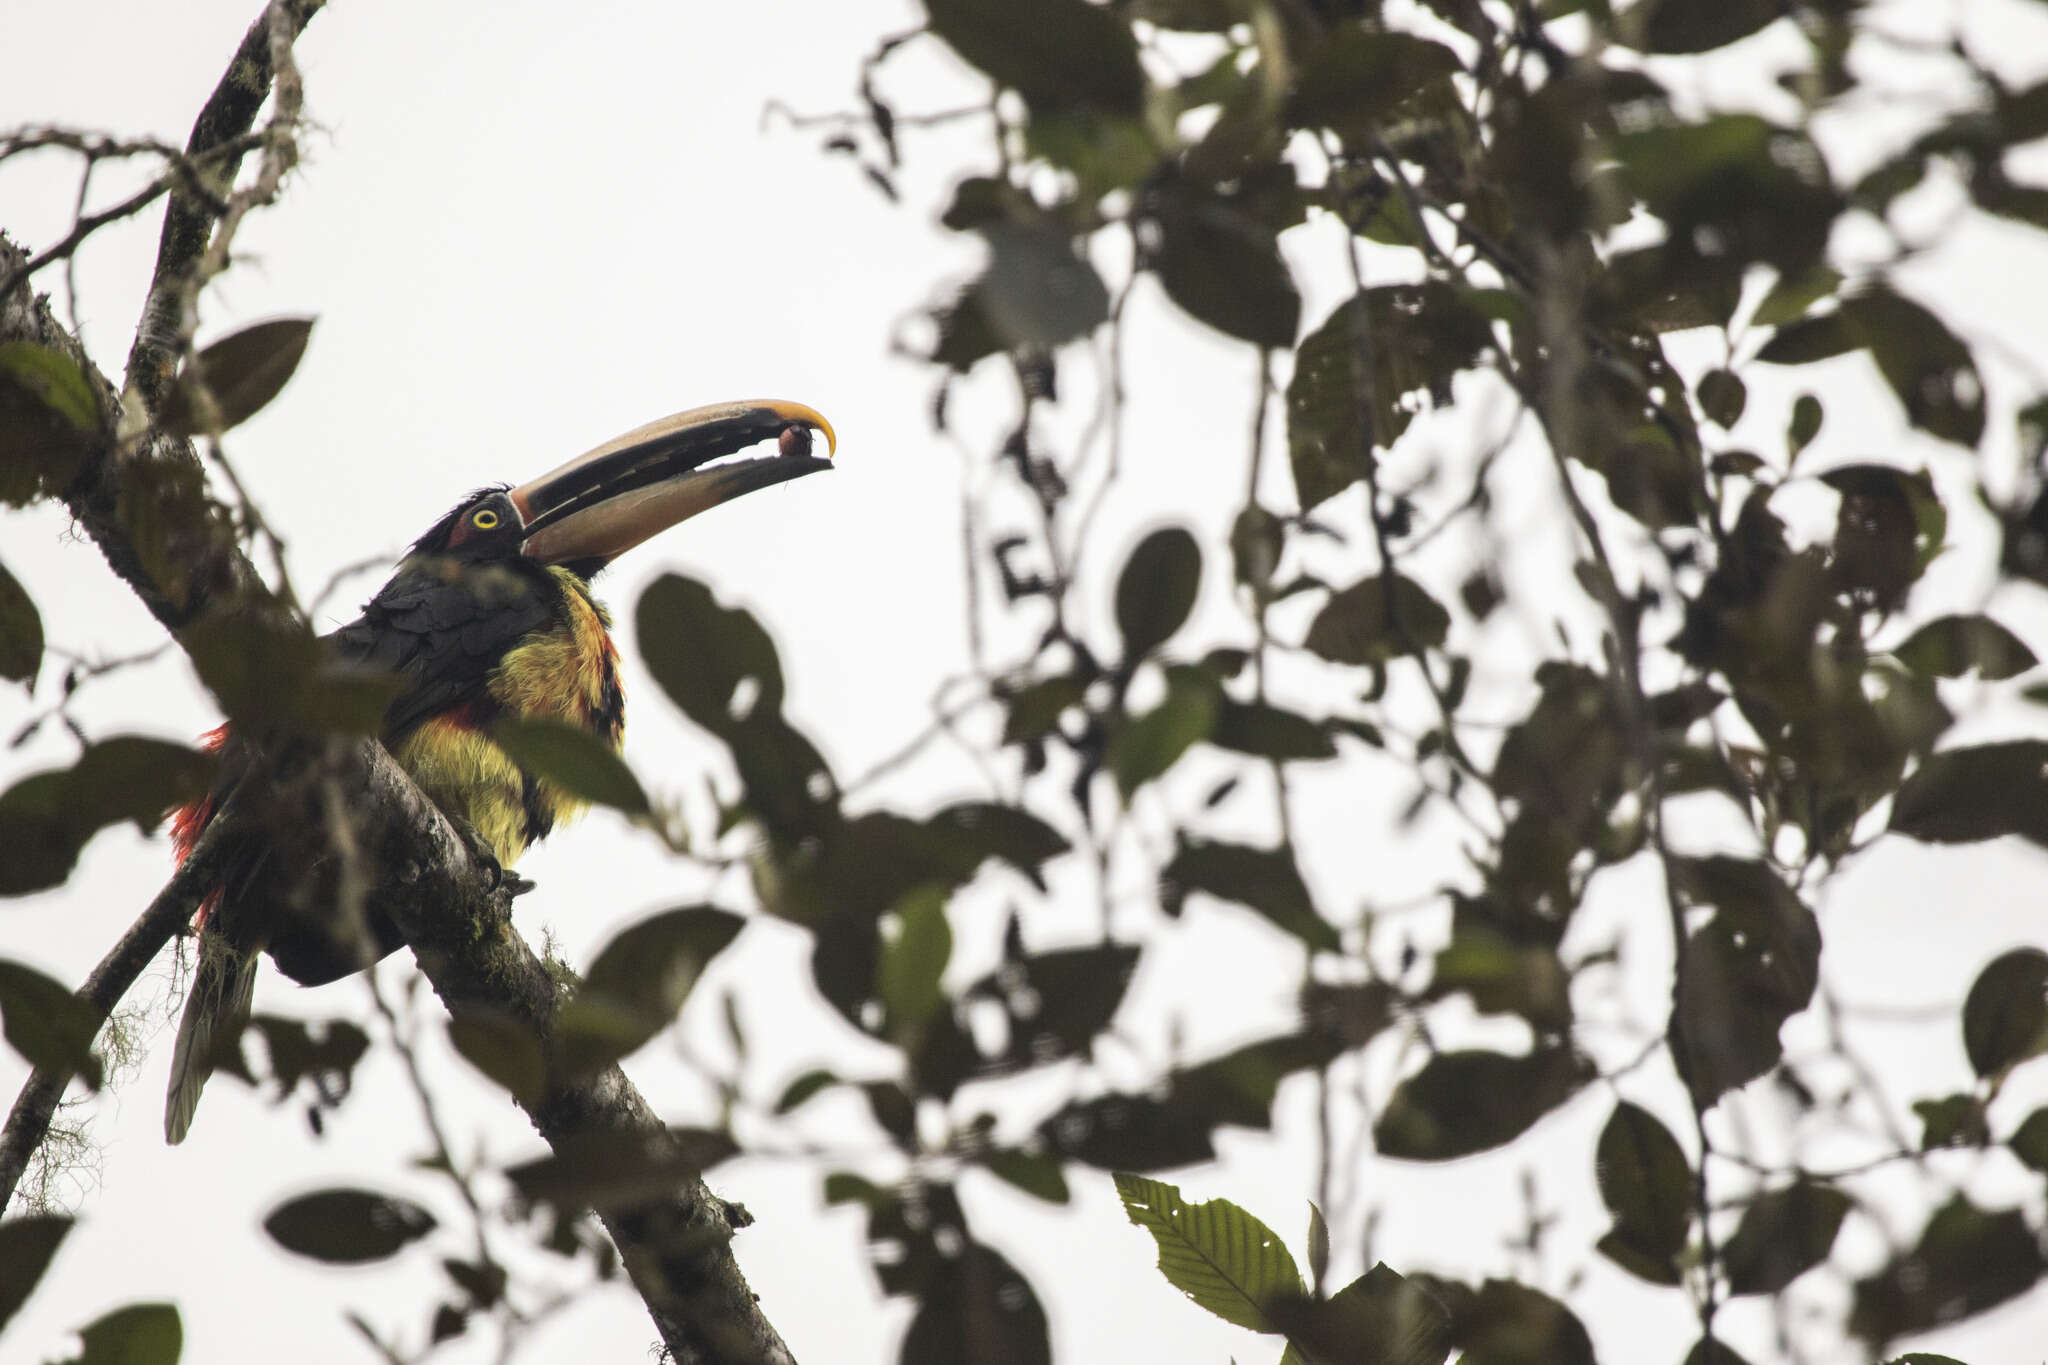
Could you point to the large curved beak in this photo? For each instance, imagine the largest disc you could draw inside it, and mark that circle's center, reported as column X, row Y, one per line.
column 605, row 501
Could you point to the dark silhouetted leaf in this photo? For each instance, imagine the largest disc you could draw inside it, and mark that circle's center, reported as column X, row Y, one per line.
column 1379, row 1318
column 1928, row 366
column 1223, row 267
column 1417, row 337
column 1375, row 620
column 1503, row 977
column 976, row 1307
column 1130, row 1132
column 26, row 1246
column 800, row 1090
column 136, row 1334
column 1792, row 295
column 1783, row 1234
column 1676, row 27
column 1358, row 76
column 1959, row 796
column 503, row 1048
column 1967, row 1260
column 2030, row 1142
column 1714, row 1352
column 1505, row 1323
column 1731, row 188
column 1156, row 589
column 1037, row 709
column 1951, row 646
column 1220, row 1256
column 1952, row 1121
column 575, row 760
column 54, row 379
column 1145, row 747
column 1742, row 974
column 1647, row 1184
column 638, row 984
column 1035, row 1173
column 1722, row 397
column 1262, row 879
column 1266, row 731
column 2005, row 1017
column 617, row 1170
column 1318, row 1244
column 47, row 1024
column 1056, row 1002
column 1054, row 52
column 21, row 632
column 242, row 372
column 347, row 1227
column 1466, row 1102
column 1804, row 426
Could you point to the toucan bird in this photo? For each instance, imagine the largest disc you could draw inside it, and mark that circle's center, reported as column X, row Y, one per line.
column 490, row 613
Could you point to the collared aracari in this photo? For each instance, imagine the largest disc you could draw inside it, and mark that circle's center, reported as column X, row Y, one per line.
column 489, row 614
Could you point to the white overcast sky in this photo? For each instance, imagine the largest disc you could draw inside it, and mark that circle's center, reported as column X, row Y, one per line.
column 523, row 233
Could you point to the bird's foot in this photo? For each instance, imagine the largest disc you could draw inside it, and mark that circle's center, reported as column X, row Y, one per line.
column 497, row 875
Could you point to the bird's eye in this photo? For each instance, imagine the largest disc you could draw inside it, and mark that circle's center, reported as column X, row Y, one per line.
column 483, row 519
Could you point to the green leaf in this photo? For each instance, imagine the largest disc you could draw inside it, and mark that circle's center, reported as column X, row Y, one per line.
column 1054, row 52
column 1951, row 646
column 1927, row 365
column 1375, row 620
column 573, row 759
column 907, row 976
column 47, row 818
column 1156, row 590
column 701, row 653
column 242, row 372
column 1804, row 426
column 347, row 1227
column 1318, row 1244
column 21, row 632
column 1037, row 291
column 137, row 1334
column 1647, row 1184
column 1035, row 1173
column 1262, row 879
column 1037, row 709
column 974, row 1306
column 1722, row 396
column 800, row 1090
column 1145, row 747
column 1217, row 1254
column 1792, row 295
column 1504, row 977
column 1354, row 79
column 1466, row 1102
column 1963, row 795
column 2005, row 1016
column 638, row 985
column 611, row 1170
column 1505, row 1323
column 1782, row 1235
column 54, row 378
column 1223, row 267
column 27, row 1246
column 504, row 1048
column 47, row 1024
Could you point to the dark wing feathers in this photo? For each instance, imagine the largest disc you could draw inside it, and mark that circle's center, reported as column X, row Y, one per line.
column 441, row 633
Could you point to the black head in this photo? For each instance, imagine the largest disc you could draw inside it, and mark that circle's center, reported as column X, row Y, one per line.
column 486, row 525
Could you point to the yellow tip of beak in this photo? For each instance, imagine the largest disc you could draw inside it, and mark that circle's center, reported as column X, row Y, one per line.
column 806, row 416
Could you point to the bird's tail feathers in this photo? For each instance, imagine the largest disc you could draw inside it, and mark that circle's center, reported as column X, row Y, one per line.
column 223, row 985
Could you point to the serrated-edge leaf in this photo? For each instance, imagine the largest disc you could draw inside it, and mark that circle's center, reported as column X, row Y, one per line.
column 1219, row 1255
